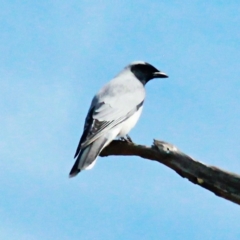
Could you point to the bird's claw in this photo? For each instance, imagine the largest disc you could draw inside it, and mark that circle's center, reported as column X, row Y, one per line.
column 126, row 139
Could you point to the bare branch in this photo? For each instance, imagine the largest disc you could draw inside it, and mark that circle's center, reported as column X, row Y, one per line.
column 224, row 184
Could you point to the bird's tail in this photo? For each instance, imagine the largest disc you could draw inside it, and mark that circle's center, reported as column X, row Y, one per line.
column 87, row 156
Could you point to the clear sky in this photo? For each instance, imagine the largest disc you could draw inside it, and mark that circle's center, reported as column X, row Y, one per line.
column 54, row 56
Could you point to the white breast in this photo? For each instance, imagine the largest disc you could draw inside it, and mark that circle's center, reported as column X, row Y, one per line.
column 130, row 123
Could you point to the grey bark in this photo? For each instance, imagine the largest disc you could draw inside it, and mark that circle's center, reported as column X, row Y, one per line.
column 222, row 183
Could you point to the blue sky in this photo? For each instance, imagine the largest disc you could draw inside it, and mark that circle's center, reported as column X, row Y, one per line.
column 54, row 56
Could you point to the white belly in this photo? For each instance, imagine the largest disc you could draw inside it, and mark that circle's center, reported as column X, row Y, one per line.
column 129, row 123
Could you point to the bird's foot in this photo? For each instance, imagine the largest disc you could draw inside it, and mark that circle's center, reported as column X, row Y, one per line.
column 126, row 139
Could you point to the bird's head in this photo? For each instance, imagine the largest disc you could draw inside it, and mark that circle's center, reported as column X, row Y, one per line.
column 145, row 71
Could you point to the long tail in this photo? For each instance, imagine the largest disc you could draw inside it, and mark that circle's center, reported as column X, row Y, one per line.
column 87, row 156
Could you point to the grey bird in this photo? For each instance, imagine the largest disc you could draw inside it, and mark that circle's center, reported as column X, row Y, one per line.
column 114, row 111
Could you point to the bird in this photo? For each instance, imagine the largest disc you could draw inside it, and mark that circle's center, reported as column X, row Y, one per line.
column 113, row 112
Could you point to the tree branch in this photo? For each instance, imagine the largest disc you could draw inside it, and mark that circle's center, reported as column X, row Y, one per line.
column 224, row 184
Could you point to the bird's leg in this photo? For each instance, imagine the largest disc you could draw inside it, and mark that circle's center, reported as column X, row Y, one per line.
column 129, row 138
column 126, row 139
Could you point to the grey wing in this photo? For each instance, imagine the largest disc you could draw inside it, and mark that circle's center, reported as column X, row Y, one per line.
column 112, row 105
column 95, row 125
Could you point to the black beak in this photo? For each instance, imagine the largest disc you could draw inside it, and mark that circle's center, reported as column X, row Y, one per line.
column 160, row 75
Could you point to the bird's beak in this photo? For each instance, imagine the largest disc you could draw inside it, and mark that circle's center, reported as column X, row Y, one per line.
column 160, row 75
